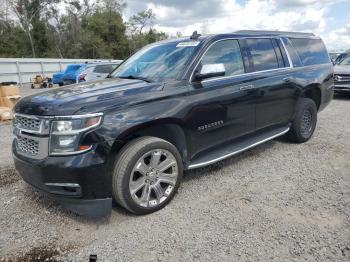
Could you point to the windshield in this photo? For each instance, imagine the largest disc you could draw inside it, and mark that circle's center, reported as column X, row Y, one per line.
column 345, row 61
column 162, row 61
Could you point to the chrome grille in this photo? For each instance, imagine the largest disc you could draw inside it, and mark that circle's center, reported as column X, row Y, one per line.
column 31, row 135
column 27, row 123
column 28, row 146
column 341, row 78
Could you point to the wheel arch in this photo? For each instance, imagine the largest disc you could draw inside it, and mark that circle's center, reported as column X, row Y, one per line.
column 313, row 91
column 170, row 130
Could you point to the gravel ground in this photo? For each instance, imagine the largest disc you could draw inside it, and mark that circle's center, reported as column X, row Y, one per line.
column 279, row 201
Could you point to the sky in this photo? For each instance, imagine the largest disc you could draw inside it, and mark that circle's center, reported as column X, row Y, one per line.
column 329, row 19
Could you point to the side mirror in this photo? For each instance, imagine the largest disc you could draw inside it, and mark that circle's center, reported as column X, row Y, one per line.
column 210, row 70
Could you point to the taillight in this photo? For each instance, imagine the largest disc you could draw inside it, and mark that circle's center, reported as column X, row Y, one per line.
column 82, row 77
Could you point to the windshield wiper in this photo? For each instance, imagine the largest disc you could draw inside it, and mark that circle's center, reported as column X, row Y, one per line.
column 136, row 77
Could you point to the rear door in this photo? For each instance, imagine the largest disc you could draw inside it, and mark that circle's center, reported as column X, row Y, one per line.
column 276, row 95
column 223, row 108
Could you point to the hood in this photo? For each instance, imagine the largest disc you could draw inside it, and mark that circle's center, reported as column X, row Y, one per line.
column 342, row 69
column 90, row 97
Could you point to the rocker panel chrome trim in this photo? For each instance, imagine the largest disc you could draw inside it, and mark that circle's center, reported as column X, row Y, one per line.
column 238, row 151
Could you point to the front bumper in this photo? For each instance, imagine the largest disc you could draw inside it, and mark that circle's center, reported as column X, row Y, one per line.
column 341, row 87
column 81, row 183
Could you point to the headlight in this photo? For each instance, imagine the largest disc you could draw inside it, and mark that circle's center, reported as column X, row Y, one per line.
column 66, row 133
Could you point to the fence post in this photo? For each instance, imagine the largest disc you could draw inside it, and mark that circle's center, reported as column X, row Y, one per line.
column 60, row 63
column 19, row 74
column 42, row 69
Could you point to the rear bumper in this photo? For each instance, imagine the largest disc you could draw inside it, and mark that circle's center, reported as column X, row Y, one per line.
column 67, row 81
column 81, row 183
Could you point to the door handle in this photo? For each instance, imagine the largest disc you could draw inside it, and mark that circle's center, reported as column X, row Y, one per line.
column 287, row 79
column 247, row 87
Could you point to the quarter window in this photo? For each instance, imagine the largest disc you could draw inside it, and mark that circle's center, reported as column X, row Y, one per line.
column 311, row 51
column 225, row 52
column 263, row 54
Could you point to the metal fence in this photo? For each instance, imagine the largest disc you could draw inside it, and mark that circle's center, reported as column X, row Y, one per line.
column 23, row 70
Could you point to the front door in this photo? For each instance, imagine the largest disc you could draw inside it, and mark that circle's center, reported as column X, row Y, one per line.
column 222, row 108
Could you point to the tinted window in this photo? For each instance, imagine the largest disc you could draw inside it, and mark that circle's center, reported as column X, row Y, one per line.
column 345, row 61
column 292, row 53
column 340, row 58
column 158, row 61
column 263, row 54
column 311, row 51
column 103, row 69
column 228, row 53
column 71, row 68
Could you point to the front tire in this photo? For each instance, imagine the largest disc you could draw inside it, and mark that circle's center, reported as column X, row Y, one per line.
column 304, row 123
column 147, row 174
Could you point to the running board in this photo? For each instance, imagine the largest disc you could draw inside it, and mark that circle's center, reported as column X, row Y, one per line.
column 235, row 148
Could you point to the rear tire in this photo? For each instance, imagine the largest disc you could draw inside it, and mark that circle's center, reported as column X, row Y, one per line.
column 304, row 123
column 142, row 182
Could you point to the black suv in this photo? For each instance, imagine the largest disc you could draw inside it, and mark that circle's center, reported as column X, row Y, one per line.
column 175, row 105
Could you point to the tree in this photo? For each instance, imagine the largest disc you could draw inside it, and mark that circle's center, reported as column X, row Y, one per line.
column 108, row 30
column 28, row 13
column 12, row 40
column 140, row 21
column 139, row 36
column 112, row 5
column 86, row 29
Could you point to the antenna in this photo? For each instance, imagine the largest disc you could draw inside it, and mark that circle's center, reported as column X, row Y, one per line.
column 195, row 35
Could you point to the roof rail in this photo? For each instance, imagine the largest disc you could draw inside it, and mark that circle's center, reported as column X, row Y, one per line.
column 262, row 32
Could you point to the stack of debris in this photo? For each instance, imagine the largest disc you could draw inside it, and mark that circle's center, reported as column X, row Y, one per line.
column 9, row 95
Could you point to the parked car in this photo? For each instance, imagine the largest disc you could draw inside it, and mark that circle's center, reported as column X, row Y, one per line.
column 341, row 56
column 72, row 73
column 97, row 71
column 175, row 105
column 333, row 56
column 65, row 77
column 342, row 76
column 57, row 78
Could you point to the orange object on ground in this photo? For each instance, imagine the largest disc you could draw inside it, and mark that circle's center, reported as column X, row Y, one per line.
column 9, row 90
column 9, row 101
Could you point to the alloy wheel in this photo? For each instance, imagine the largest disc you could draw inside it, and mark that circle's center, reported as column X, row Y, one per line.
column 153, row 178
column 306, row 122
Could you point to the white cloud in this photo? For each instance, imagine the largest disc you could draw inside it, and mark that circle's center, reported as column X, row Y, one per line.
column 222, row 16
column 339, row 38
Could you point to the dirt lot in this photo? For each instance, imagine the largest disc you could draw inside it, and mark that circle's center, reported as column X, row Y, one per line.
column 279, row 201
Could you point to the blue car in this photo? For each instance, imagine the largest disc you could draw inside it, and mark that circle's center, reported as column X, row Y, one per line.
column 69, row 75
column 72, row 72
column 57, row 78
